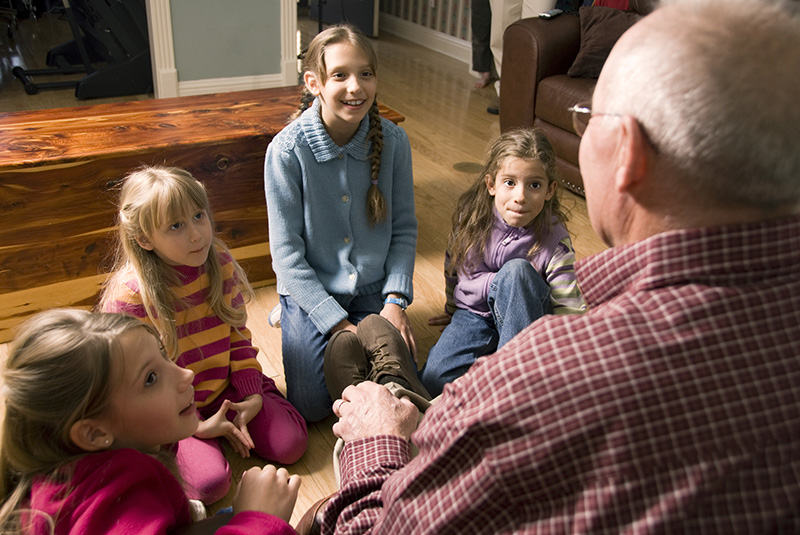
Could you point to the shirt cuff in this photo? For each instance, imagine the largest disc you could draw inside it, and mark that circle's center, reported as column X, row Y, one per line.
column 364, row 456
column 247, row 382
column 327, row 314
column 399, row 284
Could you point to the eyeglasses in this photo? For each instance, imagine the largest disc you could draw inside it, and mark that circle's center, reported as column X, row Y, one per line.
column 582, row 113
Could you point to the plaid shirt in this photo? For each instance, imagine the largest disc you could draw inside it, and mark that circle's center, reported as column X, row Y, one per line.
column 673, row 406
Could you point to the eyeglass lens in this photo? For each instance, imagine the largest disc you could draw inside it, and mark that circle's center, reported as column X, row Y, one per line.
column 581, row 113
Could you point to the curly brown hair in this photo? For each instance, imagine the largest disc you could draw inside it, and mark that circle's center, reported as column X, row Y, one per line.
column 473, row 218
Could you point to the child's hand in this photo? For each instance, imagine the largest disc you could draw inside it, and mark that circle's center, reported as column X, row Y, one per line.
column 219, row 426
column 442, row 321
column 400, row 320
column 268, row 490
column 246, row 410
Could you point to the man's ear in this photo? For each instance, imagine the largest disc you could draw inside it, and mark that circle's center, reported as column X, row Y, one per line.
column 311, row 83
column 91, row 435
column 144, row 243
column 632, row 155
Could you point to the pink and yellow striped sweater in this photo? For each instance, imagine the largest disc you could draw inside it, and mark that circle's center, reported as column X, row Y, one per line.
column 216, row 352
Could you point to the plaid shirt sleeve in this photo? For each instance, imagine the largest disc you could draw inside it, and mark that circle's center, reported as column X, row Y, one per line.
column 365, row 465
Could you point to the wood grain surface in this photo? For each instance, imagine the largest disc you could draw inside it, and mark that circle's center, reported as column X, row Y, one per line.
column 61, row 171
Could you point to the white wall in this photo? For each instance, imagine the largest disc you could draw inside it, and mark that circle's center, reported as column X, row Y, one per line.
column 209, row 46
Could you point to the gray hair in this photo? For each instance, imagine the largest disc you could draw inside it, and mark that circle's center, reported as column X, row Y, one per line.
column 713, row 84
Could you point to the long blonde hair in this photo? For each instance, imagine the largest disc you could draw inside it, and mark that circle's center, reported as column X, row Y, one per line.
column 473, row 219
column 58, row 372
column 314, row 62
column 150, row 198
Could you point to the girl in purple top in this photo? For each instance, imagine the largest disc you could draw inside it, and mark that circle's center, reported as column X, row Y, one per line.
column 509, row 259
column 89, row 401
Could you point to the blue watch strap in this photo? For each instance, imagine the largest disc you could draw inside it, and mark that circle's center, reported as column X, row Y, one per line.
column 399, row 301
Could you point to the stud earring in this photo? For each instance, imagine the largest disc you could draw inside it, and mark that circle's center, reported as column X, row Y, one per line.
column 108, row 442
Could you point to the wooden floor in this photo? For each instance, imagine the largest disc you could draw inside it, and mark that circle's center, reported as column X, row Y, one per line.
column 449, row 130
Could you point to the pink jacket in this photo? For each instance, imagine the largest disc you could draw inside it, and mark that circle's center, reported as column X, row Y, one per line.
column 124, row 492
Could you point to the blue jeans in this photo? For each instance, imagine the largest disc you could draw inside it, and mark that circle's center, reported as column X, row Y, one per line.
column 518, row 296
column 304, row 348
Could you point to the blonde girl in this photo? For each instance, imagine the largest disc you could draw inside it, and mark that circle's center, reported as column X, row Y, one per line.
column 340, row 202
column 89, row 401
column 510, row 258
column 173, row 272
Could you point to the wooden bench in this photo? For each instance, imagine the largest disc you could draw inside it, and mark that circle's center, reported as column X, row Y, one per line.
column 59, row 176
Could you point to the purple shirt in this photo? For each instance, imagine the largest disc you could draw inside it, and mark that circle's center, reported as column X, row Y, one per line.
column 554, row 261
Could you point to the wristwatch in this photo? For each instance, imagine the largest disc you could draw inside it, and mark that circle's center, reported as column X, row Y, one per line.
column 402, row 302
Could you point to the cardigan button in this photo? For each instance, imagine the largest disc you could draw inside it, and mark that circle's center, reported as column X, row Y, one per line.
column 345, row 198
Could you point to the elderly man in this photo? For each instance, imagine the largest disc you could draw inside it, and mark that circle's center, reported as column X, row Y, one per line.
column 673, row 406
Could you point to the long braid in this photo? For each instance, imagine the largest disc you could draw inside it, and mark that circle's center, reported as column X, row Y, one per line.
column 306, row 99
column 376, row 204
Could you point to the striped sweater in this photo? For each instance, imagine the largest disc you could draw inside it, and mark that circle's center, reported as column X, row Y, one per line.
column 216, row 352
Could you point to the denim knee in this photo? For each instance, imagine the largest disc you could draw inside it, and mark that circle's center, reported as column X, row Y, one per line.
column 515, row 271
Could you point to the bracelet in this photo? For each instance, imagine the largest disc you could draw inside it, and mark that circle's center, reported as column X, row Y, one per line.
column 402, row 302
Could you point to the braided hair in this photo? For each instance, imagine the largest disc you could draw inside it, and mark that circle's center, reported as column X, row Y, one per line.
column 314, row 62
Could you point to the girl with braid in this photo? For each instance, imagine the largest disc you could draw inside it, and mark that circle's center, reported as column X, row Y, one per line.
column 340, row 203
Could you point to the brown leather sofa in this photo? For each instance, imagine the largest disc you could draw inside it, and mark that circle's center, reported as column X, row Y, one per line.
column 536, row 90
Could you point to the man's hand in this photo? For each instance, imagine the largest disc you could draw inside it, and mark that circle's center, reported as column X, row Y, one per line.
column 219, row 426
column 400, row 320
column 268, row 490
column 369, row 409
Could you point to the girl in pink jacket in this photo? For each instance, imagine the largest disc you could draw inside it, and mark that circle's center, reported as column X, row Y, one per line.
column 89, row 401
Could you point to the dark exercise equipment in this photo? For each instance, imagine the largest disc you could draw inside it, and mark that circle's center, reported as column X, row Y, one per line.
column 111, row 32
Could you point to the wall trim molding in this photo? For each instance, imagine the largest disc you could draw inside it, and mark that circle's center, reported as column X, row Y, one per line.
column 437, row 41
column 223, row 85
column 165, row 74
column 162, row 49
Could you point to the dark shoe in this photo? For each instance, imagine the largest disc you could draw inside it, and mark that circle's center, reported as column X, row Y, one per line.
column 345, row 363
column 388, row 354
column 311, row 522
column 493, row 108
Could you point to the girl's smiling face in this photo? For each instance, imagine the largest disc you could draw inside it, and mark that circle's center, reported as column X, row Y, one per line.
column 347, row 92
column 520, row 188
column 153, row 402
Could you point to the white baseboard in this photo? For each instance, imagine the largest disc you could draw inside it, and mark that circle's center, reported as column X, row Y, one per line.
column 436, row 41
column 224, row 85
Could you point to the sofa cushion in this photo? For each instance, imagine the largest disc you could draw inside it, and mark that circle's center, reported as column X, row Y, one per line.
column 600, row 29
column 557, row 93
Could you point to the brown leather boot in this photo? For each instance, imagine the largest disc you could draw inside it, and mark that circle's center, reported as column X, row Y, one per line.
column 345, row 363
column 388, row 354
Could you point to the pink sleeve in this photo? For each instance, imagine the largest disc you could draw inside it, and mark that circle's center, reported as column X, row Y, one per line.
column 133, row 493
column 250, row 522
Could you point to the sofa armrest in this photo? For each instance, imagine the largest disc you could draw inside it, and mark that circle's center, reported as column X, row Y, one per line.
column 533, row 49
